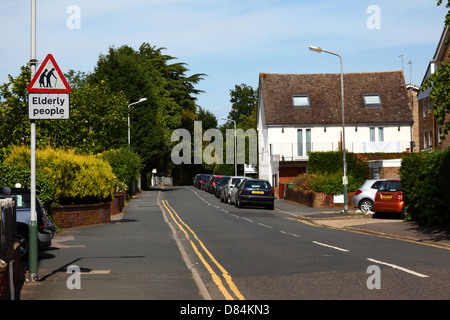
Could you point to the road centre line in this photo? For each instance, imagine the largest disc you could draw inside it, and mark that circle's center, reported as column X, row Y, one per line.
column 265, row 225
column 399, row 268
column 329, row 246
column 176, row 218
column 290, row 234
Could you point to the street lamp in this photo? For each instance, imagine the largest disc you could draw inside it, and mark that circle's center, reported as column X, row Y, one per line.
column 140, row 100
column 344, row 180
column 235, row 151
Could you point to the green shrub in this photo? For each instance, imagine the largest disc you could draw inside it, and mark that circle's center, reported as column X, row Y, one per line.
column 11, row 175
column 331, row 162
column 426, row 185
column 327, row 183
column 125, row 166
column 75, row 178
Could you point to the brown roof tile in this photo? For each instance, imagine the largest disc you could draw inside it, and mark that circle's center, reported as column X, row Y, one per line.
column 324, row 92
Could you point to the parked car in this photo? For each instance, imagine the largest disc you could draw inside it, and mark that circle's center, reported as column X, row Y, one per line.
column 232, row 198
column 389, row 198
column 225, row 192
column 46, row 229
column 214, row 181
column 254, row 192
column 195, row 179
column 365, row 194
column 205, row 181
column 219, row 185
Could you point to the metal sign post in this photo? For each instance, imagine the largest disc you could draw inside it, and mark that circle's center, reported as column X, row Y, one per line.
column 33, row 229
column 48, row 98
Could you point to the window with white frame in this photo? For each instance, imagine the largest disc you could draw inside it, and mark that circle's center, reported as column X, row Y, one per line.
column 303, row 142
column 372, row 100
column 424, row 109
column 376, row 134
column 425, row 142
column 431, row 139
column 301, row 101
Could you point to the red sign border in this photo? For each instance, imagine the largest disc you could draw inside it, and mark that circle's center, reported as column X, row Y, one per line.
column 38, row 74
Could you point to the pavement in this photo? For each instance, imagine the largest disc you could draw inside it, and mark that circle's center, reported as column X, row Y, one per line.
column 387, row 225
column 116, row 252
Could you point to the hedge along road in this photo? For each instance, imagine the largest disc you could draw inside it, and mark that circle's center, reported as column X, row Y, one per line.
column 269, row 255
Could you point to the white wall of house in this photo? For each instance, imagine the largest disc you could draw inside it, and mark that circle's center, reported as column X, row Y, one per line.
column 282, row 141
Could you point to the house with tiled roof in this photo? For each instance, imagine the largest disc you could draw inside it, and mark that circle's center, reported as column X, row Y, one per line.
column 302, row 113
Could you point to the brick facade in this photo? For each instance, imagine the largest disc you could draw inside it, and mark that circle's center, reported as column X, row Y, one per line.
column 316, row 199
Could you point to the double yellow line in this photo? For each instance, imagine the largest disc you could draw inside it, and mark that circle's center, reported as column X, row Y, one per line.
column 192, row 237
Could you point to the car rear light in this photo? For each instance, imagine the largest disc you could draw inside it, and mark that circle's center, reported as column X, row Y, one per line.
column 358, row 192
column 244, row 190
column 271, row 191
column 400, row 196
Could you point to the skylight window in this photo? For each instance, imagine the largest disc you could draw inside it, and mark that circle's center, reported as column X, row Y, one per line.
column 372, row 100
column 301, row 101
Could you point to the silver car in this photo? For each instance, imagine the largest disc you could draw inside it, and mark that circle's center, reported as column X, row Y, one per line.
column 232, row 189
column 365, row 195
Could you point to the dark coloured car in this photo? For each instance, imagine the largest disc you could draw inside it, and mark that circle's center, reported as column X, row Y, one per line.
column 212, row 185
column 255, row 192
column 46, row 229
column 204, row 183
column 220, row 184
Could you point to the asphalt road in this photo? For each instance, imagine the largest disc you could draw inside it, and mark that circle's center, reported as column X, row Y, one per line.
column 256, row 253
column 184, row 244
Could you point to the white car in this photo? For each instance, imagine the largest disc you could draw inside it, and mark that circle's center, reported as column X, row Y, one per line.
column 365, row 195
column 226, row 189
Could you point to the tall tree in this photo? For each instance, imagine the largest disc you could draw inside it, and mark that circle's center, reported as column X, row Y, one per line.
column 244, row 100
column 146, row 73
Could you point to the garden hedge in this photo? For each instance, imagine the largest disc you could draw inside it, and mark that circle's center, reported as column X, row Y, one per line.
column 74, row 178
column 426, row 186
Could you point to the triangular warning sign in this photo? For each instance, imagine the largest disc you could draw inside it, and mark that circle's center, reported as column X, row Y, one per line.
column 49, row 78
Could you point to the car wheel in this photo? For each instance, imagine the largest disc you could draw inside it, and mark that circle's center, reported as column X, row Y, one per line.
column 366, row 205
column 229, row 200
column 270, row 206
column 22, row 234
column 238, row 203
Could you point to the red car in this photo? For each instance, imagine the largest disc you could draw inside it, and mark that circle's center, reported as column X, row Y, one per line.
column 389, row 198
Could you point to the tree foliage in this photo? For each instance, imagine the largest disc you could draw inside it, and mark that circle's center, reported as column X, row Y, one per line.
column 244, row 101
column 147, row 73
column 97, row 117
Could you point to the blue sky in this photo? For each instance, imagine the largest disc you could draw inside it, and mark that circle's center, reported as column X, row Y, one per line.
column 231, row 41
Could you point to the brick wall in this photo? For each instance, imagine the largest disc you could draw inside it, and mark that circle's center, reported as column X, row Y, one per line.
column 316, row 199
column 81, row 215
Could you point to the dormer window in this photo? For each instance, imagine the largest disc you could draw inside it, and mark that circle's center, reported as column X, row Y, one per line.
column 372, row 100
column 301, row 101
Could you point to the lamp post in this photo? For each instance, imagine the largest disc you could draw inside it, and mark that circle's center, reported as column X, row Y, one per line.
column 129, row 140
column 344, row 180
column 235, row 151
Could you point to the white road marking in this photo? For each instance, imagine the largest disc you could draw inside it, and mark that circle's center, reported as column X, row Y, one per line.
column 265, row 225
column 290, row 234
column 399, row 268
column 333, row 247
